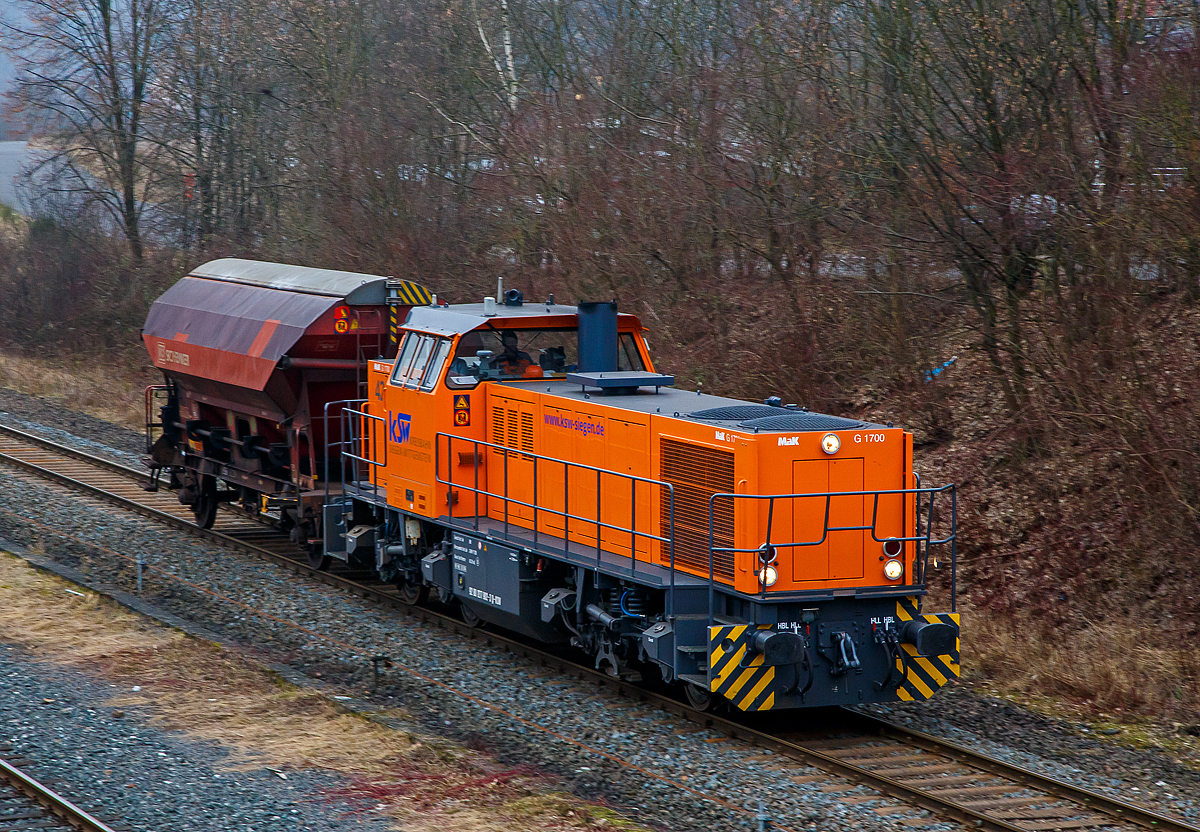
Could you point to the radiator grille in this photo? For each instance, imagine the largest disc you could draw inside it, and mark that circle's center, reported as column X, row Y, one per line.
column 527, row 433
column 738, row 412
column 696, row 474
column 498, row 426
column 801, row 421
column 512, row 429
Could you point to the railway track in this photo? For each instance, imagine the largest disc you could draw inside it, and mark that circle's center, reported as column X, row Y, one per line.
column 26, row 804
column 948, row 780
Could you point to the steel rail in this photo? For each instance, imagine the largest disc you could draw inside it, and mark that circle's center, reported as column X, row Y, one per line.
column 74, row 453
column 177, row 521
column 51, row 800
column 1130, row 812
column 1120, row 811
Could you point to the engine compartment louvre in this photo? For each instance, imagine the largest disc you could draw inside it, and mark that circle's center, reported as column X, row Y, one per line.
column 697, row 473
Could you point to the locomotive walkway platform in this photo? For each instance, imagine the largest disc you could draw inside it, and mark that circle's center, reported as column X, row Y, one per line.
column 575, row 553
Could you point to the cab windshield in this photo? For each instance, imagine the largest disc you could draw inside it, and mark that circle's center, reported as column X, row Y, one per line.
column 511, row 354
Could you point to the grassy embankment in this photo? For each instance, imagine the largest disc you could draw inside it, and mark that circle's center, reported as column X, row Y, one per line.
column 181, row 684
column 109, row 387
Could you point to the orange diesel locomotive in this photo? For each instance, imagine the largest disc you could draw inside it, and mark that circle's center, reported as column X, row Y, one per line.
column 526, row 462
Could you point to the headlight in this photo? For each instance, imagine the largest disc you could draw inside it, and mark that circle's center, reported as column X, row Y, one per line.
column 768, row 575
column 830, row 444
column 893, row 569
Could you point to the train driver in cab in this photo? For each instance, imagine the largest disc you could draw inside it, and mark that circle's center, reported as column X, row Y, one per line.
column 496, row 354
column 513, row 361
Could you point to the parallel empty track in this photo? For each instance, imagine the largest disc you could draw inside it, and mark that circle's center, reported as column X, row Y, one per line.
column 948, row 780
column 26, row 805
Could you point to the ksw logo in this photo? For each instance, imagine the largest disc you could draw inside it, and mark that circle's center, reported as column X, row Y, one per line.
column 398, row 427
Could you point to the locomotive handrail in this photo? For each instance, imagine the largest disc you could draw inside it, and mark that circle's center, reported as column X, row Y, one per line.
column 565, row 513
column 350, row 438
column 923, row 541
column 355, row 438
column 325, row 427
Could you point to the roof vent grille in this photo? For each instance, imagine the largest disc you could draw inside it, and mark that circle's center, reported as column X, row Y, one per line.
column 801, row 421
column 737, row 413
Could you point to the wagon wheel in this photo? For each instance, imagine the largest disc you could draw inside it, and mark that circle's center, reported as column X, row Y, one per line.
column 413, row 594
column 469, row 617
column 317, row 559
column 205, row 507
column 698, row 697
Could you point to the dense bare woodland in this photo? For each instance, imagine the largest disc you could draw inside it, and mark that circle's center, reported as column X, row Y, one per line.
column 823, row 201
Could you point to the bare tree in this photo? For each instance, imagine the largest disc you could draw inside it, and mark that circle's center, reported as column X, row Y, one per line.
column 966, row 86
column 85, row 79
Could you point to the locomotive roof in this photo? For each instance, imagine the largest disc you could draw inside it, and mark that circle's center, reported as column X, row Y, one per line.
column 464, row 317
column 354, row 287
column 719, row 411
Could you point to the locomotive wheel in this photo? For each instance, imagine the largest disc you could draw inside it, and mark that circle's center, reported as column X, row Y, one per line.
column 317, row 559
column 413, row 594
column 205, row 507
column 698, row 697
column 469, row 617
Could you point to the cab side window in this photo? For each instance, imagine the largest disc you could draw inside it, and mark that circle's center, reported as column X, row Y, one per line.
column 434, row 370
column 420, row 360
column 404, row 358
column 628, row 357
column 508, row 354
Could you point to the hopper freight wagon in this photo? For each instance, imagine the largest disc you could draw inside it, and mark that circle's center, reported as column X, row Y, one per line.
column 254, row 355
column 526, row 463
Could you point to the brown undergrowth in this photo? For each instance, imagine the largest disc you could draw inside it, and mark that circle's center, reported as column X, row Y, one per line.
column 1077, row 572
column 191, row 686
column 1107, row 667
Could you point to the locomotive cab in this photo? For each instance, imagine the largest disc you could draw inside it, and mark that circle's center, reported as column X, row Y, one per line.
column 528, row 464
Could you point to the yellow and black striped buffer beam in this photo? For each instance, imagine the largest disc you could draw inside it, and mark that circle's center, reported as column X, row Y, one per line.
column 925, row 674
column 408, row 293
column 736, row 671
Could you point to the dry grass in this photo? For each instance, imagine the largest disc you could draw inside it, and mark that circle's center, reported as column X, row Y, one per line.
column 199, row 689
column 12, row 225
column 111, row 389
column 1107, row 671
